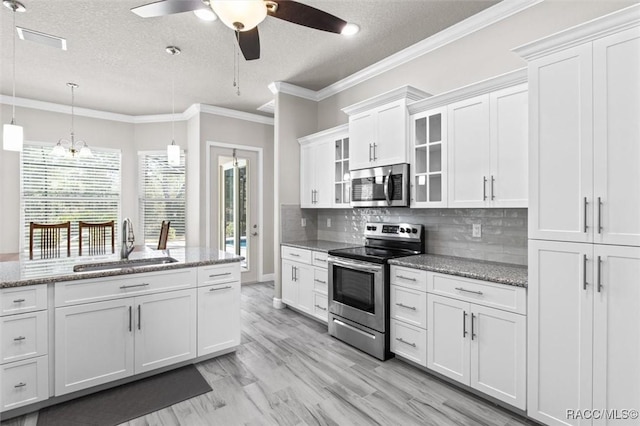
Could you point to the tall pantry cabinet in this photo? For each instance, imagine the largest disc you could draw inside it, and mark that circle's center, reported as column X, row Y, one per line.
column 584, row 222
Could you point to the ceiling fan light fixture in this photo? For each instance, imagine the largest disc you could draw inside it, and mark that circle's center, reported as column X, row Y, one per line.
column 205, row 15
column 350, row 29
column 240, row 15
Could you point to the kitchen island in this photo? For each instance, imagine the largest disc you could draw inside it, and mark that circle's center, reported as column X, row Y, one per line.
column 65, row 334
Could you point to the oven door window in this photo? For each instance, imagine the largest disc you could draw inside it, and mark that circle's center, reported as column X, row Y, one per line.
column 354, row 288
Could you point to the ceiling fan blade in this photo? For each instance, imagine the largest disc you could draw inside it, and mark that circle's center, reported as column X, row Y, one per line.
column 249, row 42
column 307, row 16
column 168, row 7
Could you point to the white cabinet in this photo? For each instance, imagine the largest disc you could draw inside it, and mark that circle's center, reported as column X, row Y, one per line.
column 305, row 280
column 487, row 154
column 24, row 340
column 324, row 168
column 429, row 158
column 584, row 153
column 219, row 312
column 448, row 339
column 583, row 304
column 378, row 128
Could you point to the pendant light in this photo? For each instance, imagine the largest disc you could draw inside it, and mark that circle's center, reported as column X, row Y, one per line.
column 69, row 148
column 173, row 150
column 12, row 134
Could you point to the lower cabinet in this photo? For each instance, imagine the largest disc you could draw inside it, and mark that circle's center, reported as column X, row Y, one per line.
column 481, row 347
column 100, row 342
column 297, row 285
column 218, row 317
column 24, row 382
column 305, row 281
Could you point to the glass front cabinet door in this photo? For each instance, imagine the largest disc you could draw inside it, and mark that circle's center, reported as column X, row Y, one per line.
column 429, row 158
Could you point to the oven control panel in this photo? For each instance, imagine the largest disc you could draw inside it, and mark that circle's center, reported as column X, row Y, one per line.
column 395, row 231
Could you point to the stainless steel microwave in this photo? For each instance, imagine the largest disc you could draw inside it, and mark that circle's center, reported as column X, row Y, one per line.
column 385, row 186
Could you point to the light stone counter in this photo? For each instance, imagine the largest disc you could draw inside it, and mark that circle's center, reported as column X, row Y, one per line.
column 319, row 245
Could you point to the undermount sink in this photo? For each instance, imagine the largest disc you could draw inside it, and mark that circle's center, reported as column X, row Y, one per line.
column 123, row 264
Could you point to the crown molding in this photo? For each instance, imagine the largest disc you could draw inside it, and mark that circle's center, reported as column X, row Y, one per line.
column 614, row 22
column 190, row 112
column 407, row 93
column 492, row 84
column 341, row 131
column 269, row 107
column 293, row 90
column 487, row 17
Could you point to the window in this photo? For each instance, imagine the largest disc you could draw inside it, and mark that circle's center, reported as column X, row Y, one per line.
column 55, row 189
column 162, row 197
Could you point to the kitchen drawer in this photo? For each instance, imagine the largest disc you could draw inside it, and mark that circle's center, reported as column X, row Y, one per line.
column 23, row 299
column 500, row 296
column 409, row 277
column 320, row 259
column 24, row 382
column 320, row 280
column 23, row 336
column 320, row 303
column 94, row 290
column 296, row 254
column 409, row 305
column 218, row 274
column 409, row 342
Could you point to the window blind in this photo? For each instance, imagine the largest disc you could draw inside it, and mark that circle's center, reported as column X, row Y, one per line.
column 55, row 189
column 162, row 197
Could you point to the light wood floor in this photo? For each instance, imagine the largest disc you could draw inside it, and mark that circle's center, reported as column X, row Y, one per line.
column 289, row 371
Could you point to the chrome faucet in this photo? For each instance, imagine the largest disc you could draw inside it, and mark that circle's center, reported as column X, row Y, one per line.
column 127, row 239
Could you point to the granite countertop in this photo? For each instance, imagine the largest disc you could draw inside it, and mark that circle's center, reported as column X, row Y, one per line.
column 502, row 273
column 22, row 272
column 319, row 245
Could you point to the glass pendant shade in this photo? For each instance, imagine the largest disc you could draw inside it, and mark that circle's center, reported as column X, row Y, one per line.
column 173, row 154
column 12, row 137
column 240, row 15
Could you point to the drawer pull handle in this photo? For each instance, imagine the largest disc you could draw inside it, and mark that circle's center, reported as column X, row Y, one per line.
column 320, row 260
column 122, row 287
column 220, row 288
column 401, row 340
column 320, row 307
column 469, row 291
column 294, row 255
column 19, row 338
column 413, row 308
column 320, row 281
column 20, row 385
column 18, row 300
column 406, row 278
column 219, row 275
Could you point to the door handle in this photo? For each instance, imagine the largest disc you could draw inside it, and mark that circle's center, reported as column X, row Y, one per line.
column 464, row 324
column 253, row 234
column 130, row 318
column 585, row 215
column 139, row 317
column 370, row 153
column 584, row 272
column 484, row 188
column 599, row 215
column 473, row 332
column 599, row 287
column 492, row 182
column 374, row 151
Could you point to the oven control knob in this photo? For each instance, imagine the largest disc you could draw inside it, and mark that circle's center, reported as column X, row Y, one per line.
column 402, row 230
column 414, row 230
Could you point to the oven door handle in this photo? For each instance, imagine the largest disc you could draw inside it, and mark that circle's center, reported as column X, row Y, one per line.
column 358, row 266
column 388, row 188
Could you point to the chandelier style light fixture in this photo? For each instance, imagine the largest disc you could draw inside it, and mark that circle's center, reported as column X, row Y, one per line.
column 173, row 150
column 69, row 148
column 12, row 134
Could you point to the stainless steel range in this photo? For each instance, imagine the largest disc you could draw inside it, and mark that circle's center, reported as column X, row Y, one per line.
column 359, row 285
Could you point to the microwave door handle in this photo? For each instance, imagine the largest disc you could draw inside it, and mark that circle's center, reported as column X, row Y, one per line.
column 388, row 184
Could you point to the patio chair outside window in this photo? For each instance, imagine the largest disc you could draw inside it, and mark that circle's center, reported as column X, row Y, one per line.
column 97, row 239
column 46, row 238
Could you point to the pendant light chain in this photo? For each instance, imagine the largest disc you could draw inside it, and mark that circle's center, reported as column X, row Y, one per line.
column 236, row 63
column 72, row 111
column 173, row 103
column 13, row 108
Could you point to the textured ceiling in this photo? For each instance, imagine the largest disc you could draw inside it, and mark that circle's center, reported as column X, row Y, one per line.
column 119, row 60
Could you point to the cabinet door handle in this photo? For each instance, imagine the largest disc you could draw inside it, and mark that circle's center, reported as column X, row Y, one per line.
column 375, row 157
column 492, row 182
column 473, row 332
column 413, row 308
column 20, row 385
column 219, row 275
column 469, row 291
column 584, row 272
column 320, row 281
column 369, row 152
column 599, row 215
column 484, row 188
column 320, row 307
column 19, row 338
column 599, row 287
column 220, row 288
column 401, row 340
column 464, row 324
column 406, row 278
column 18, row 300
column 122, row 287
column 585, row 215
column 295, row 273
column 139, row 317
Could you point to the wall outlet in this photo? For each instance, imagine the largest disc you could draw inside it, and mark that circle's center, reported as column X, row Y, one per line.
column 328, row 222
column 477, row 230
column 304, row 222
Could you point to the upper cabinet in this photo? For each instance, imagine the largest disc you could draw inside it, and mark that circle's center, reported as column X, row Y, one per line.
column 324, row 169
column 379, row 128
column 585, row 150
column 469, row 145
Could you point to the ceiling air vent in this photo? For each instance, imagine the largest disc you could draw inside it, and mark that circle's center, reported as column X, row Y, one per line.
column 42, row 38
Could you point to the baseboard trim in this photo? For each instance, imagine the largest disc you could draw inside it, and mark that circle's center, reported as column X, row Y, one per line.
column 277, row 303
